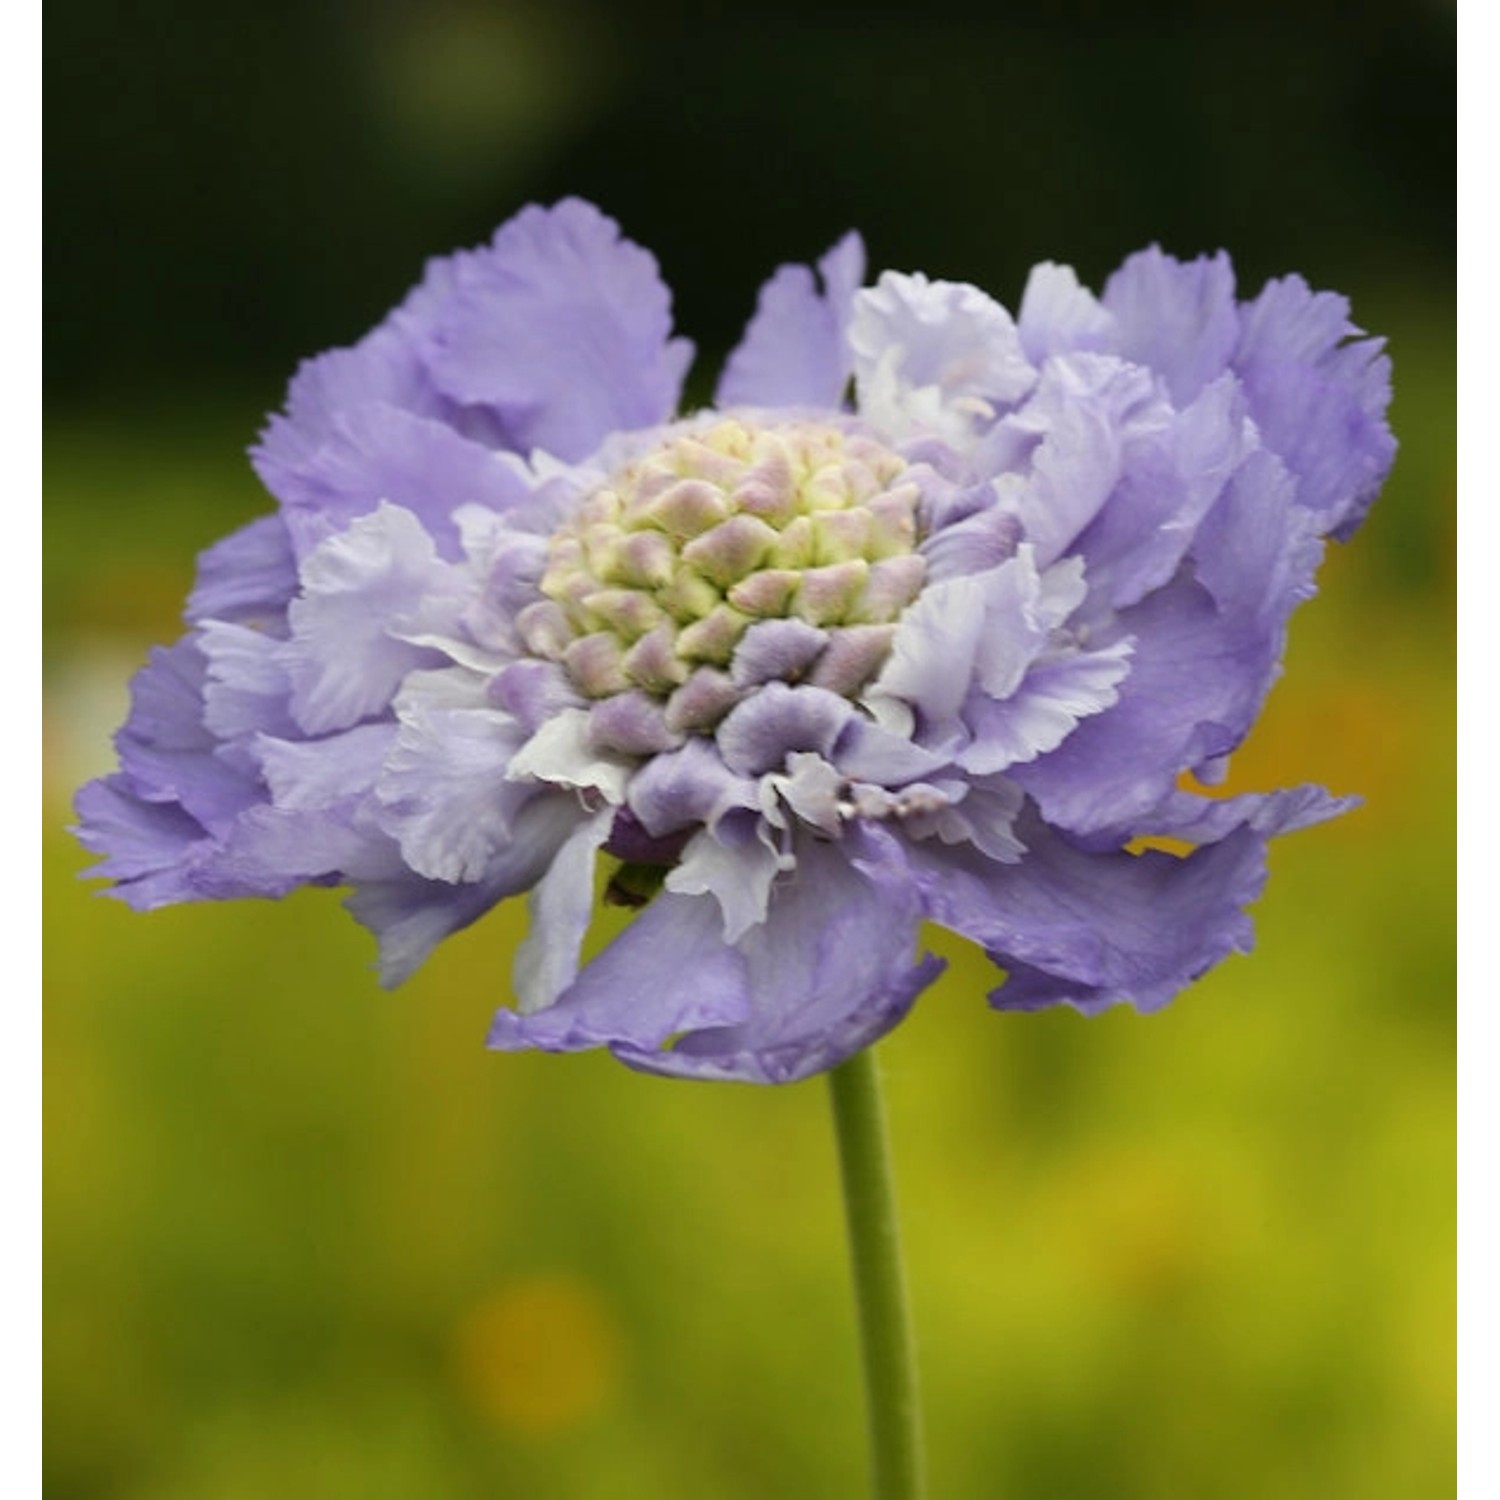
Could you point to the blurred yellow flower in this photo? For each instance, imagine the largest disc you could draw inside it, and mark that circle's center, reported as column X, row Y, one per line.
column 539, row 1354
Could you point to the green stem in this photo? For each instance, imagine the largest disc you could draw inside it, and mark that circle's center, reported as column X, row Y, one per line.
column 879, row 1286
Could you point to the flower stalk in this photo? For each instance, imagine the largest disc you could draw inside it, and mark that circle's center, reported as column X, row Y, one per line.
column 879, row 1281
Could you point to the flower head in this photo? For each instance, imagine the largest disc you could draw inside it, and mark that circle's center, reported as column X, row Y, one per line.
column 933, row 616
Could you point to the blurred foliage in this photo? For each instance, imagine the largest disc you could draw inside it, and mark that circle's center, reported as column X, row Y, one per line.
column 308, row 1238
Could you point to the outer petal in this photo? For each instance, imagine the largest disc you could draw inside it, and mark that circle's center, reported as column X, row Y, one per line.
column 307, row 775
column 669, row 971
column 559, row 326
column 166, row 753
column 1178, row 317
column 1094, row 415
column 150, row 848
column 1206, row 652
column 829, row 972
column 411, row 916
column 796, row 350
column 1206, row 820
column 249, row 577
column 1095, row 929
column 246, row 689
column 1167, row 483
column 380, row 453
column 1319, row 396
column 381, row 370
column 1060, row 316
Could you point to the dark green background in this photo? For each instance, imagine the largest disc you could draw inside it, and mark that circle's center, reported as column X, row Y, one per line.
column 308, row 1239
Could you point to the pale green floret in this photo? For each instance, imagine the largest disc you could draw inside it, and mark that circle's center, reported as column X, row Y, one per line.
column 657, row 576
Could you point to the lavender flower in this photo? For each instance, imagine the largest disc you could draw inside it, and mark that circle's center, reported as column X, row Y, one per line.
column 801, row 671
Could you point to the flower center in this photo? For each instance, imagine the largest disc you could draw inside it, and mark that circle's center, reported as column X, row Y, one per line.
column 663, row 582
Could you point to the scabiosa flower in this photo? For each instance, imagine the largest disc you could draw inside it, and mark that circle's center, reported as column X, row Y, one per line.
column 925, row 620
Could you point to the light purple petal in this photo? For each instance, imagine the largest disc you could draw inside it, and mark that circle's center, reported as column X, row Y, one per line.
column 443, row 791
column 936, row 358
column 758, row 734
column 379, row 453
column 411, row 916
column 829, row 972
column 733, row 864
column 1206, row 651
column 687, row 786
column 343, row 660
column 1319, row 396
column 559, row 326
column 1167, row 483
column 246, row 690
column 979, row 541
column 149, row 847
column 1060, row 316
column 307, row 775
column 1095, row 929
column 381, row 370
column 1177, row 317
column 1093, row 413
column 1206, row 820
column 560, row 753
column 669, row 971
column 932, row 656
column 249, row 577
column 796, row 351
column 557, row 917
column 1056, row 694
column 334, row 843
column 166, row 753
column 866, row 751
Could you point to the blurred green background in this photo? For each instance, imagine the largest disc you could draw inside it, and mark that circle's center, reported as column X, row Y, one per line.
column 307, row 1238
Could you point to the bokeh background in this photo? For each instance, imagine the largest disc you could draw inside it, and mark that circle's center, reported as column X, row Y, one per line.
column 307, row 1238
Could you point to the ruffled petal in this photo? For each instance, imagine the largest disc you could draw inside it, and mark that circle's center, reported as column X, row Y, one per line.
column 1176, row 317
column 1060, row 316
column 561, row 753
column 560, row 326
column 669, row 971
column 934, row 358
column 149, row 848
column 167, row 753
column 379, row 453
column 735, row 865
column 307, row 775
column 344, row 660
column 1206, row 650
column 246, row 688
column 1169, row 478
column 1093, row 930
column 1092, row 414
column 411, row 916
column 248, row 578
column 1319, row 396
column 1206, row 820
column 796, row 350
column 443, row 790
column 558, row 911
column 829, row 972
